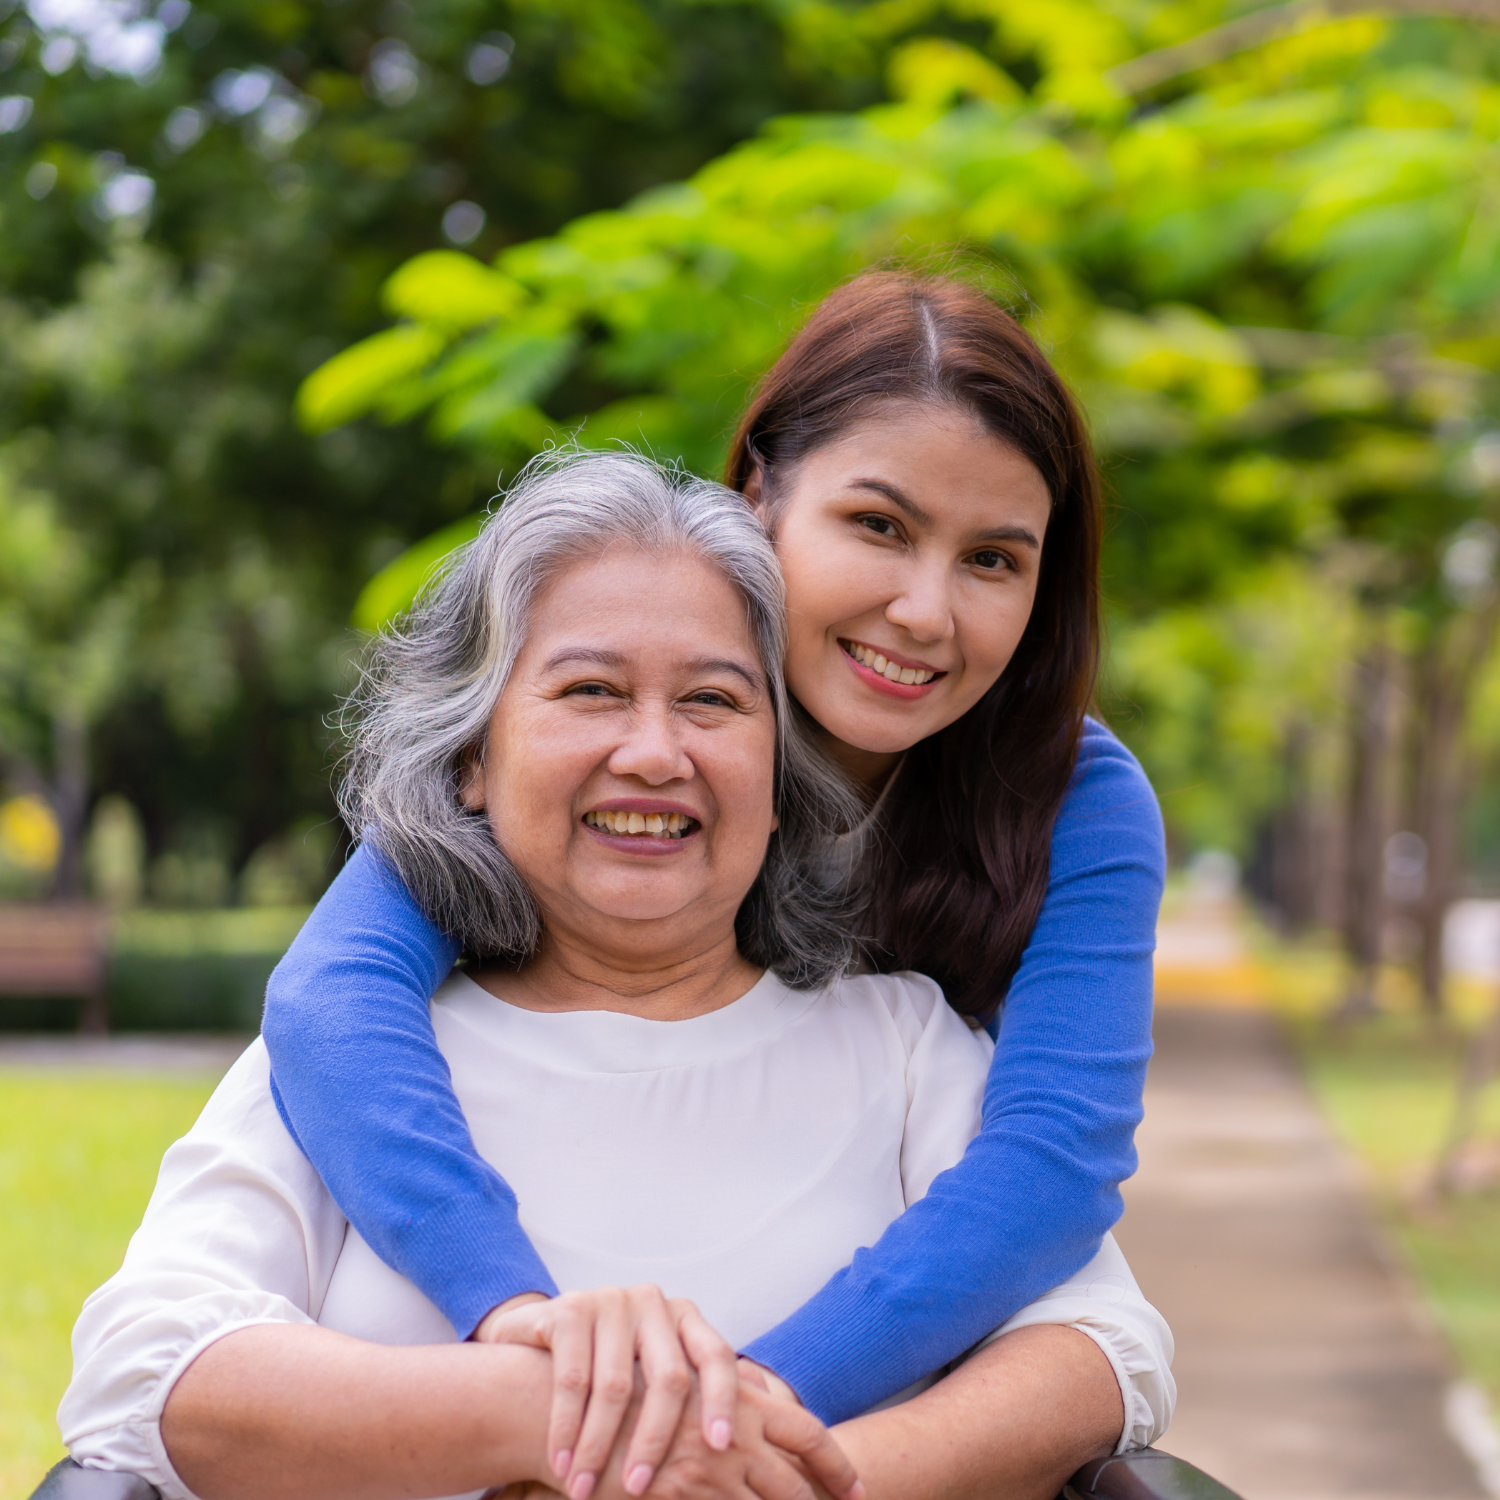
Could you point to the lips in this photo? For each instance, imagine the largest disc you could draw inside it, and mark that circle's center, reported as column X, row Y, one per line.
column 889, row 673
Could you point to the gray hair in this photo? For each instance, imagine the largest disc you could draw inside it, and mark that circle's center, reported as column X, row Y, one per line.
column 430, row 685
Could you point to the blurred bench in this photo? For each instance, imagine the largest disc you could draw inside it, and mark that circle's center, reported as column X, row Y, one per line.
column 1147, row 1475
column 56, row 949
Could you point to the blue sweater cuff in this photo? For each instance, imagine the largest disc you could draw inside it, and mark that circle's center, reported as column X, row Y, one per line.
column 838, row 1351
column 475, row 1267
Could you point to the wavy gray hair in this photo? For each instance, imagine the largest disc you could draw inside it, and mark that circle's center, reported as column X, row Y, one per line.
column 430, row 686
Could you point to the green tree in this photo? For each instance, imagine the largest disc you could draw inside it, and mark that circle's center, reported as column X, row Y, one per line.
column 1266, row 252
column 199, row 204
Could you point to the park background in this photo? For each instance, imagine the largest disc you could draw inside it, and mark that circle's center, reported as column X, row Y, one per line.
column 288, row 289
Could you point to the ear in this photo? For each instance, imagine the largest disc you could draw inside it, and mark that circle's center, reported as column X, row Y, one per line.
column 754, row 490
column 471, row 783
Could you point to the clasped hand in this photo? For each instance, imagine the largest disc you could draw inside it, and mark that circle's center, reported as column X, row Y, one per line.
column 646, row 1395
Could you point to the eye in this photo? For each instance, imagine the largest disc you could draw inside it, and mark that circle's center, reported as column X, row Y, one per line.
column 589, row 690
column 990, row 560
column 880, row 525
column 711, row 698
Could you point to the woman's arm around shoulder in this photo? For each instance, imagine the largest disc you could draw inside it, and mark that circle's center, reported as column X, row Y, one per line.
column 1038, row 1187
column 364, row 1090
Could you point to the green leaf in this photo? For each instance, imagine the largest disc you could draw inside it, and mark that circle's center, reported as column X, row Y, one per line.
column 451, row 290
column 394, row 589
column 355, row 382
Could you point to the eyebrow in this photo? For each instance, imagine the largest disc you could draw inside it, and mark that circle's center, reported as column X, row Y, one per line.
column 909, row 507
column 570, row 655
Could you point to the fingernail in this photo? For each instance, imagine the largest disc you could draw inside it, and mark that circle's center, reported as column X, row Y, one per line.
column 719, row 1434
column 581, row 1488
column 638, row 1479
column 563, row 1462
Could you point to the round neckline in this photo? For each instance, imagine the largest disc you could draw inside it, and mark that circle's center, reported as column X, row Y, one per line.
column 609, row 1041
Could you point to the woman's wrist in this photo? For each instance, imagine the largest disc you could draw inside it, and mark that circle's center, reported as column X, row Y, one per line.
column 766, row 1379
column 484, row 1332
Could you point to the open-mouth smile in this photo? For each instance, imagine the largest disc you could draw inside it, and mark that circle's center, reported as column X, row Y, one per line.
column 897, row 675
column 642, row 826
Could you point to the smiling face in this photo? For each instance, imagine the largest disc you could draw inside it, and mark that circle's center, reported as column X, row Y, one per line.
column 911, row 547
column 630, row 763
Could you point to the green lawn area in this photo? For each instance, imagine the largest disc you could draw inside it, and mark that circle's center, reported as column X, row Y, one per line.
column 1388, row 1088
column 78, row 1158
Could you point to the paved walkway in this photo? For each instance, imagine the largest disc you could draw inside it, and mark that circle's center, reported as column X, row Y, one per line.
column 1306, row 1368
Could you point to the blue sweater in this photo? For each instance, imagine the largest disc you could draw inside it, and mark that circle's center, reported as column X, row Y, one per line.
column 362, row 1086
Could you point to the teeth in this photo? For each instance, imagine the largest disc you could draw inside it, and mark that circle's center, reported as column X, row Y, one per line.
column 911, row 676
column 654, row 825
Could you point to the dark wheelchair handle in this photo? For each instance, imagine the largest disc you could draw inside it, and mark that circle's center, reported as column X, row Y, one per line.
column 70, row 1481
column 1147, row 1475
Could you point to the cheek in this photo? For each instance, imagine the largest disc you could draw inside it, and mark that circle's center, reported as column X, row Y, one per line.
column 746, row 787
column 530, row 778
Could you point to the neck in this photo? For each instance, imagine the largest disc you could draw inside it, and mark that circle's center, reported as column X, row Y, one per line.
column 868, row 769
column 571, row 973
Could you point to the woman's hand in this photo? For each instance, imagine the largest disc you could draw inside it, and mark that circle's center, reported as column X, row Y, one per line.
column 777, row 1448
column 777, row 1452
column 597, row 1338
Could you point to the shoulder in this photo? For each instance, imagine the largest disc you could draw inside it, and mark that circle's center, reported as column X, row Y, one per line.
column 914, row 1003
column 1107, row 774
column 1109, row 810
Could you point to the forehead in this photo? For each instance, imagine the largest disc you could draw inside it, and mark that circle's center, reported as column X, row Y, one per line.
column 943, row 454
column 638, row 604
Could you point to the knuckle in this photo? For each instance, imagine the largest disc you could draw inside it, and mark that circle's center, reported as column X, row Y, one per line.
column 613, row 1387
column 573, row 1379
column 675, row 1381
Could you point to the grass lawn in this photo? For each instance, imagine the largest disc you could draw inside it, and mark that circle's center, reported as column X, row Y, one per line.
column 78, row 1158
column 1388, row 1088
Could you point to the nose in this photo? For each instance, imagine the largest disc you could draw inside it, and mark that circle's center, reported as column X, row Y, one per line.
column 652, row 750
column 923, row 608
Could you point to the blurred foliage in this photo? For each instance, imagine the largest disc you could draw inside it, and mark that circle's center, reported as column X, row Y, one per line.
column 1273, row 280
column 198, row 205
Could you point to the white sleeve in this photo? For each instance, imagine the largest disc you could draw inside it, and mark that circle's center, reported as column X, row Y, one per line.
column 1104, row 1302
column 240, row 1230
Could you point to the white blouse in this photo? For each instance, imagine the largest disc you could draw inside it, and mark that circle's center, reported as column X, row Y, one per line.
column 738, row 1158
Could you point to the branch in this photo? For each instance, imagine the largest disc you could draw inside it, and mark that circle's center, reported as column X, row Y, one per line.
column 1145, row 72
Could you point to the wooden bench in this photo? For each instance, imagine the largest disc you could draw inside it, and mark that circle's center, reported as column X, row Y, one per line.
column 48, row 949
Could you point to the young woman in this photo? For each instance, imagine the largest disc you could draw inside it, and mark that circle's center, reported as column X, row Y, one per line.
column 929, row 485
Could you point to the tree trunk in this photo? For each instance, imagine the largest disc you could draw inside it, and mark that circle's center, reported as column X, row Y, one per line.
column 1370, row 724
column 1293, row 858
column 70, row 800
column 1447, row 670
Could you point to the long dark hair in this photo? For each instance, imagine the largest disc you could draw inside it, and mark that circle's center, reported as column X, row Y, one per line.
column 959, row 869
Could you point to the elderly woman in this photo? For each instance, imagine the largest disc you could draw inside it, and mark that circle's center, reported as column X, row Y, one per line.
column 580, row 755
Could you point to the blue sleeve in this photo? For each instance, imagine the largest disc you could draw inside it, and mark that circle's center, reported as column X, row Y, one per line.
column 1038, row 1188
column 361, row 1085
